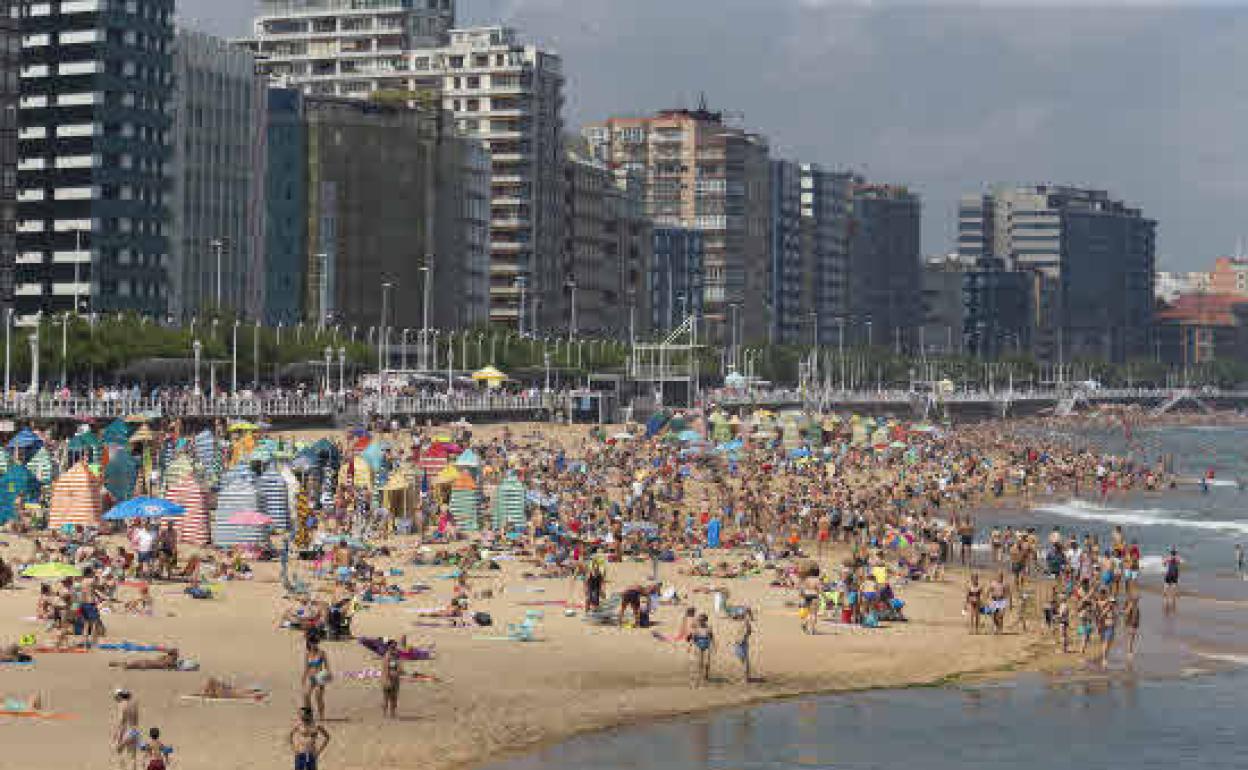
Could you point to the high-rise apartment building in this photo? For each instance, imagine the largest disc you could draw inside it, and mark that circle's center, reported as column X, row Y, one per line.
column 93, row 151
column 10, row 46
column 885, row 265
column 350, row 47
column 606, row 256
column 827, row 199
column 510, row 96
column 385, row 205
column 505, row 93
column 784, row 294
column 219, row 161
column 675, row 283
column 700, row 172
column 285, row 208
column 1094, row 258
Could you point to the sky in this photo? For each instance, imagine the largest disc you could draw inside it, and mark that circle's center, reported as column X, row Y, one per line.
column 1145, row 99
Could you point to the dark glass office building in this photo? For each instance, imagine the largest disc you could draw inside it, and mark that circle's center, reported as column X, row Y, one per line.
column 96, row 82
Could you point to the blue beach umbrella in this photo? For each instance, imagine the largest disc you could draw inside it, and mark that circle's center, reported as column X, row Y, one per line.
column 144, row 508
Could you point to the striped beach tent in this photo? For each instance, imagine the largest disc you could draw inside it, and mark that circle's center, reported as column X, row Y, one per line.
column 76, row 499
column 238, row 494
column 509, row 503
column 16, row 482
column 207, row 454
column 466, row 504
column 180, row 468
column 275, row 499
column 120, row 474
column 192, row 526
column 40, row 464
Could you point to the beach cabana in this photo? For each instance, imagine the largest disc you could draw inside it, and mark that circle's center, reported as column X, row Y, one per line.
column 85, row 444
column 40, row 464
column 120, row 475
column 509, row 504
column 16, row 482
column 76, row 499
column 434, row 458
column 117, row 433
column 466, row 504
column 207, row 454
column 274, row 499
column 399, row 494
column 25, row 439
column 180, row 468
column 192, row 526
column 238, row 495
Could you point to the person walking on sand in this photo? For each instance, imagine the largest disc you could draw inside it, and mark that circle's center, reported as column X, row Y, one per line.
column 391, row 678
column 308, row 741
column 974, row 602
column 316, row 674
column 741, row 649
column 1131, row 622
column 701, row 644
column 125, row 729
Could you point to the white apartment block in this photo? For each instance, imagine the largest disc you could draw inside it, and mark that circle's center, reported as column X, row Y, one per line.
column 501, row 91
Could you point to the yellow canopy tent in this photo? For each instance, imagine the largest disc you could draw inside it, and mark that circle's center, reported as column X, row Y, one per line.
column 490, row 376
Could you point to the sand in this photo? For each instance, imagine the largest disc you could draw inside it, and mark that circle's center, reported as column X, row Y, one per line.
column 494, row 697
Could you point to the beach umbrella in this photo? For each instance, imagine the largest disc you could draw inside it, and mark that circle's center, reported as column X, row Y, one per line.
column 509, row 504
column 25, row 439
column 52, row 569
column 118, row 432
column 75, row 499
column 242, row 427
column 120, row 474
column 192, row 526
column 40, row 464
column 900, row 540
column 144, row 508
column 238, row 495
column 274, row 498
column 490, row 376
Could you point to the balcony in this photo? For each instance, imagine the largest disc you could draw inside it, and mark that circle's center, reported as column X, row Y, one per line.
column 510, row 223
column 29, row 290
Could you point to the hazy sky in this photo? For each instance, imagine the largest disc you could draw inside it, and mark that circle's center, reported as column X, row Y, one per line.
column 1148, row 100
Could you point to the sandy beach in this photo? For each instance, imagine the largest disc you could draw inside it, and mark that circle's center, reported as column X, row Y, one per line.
column 493, row 697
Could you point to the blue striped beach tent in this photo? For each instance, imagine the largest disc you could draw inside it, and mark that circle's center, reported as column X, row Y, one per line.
column 238, row 495
column 274, row 499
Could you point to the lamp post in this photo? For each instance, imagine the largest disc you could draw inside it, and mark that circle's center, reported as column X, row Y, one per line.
column 218, row 246
column 198, row 347
column 234, row 361
column 381, row 336
column 34, row 360
column 329, row 353
column 427, row 269
column 403, row 349
column 571, row 286
column 8, row 353
column 521, row 283
column 255, row 357
column 64, row 349
column 342, row 371
column 546, row 364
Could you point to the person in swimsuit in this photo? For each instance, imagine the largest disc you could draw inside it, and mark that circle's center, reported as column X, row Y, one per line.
column 998, row 602
column 316, row 674
column 701, row 642
column 741, row 648
column 1170, row 582
column 974, row 602
column 126, row 729
column 1107, row 617
column 391, row 678
column 308, row 741
column 1131, row 621
column 808, row 594
column 156, row 752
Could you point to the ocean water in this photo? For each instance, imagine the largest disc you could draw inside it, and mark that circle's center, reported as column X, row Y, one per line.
column 1180, row 705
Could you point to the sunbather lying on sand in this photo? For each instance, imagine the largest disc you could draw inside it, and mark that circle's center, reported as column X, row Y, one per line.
column 219, row 689
column 169, row 660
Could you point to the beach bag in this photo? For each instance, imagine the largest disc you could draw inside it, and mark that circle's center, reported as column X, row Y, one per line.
column 482, row 619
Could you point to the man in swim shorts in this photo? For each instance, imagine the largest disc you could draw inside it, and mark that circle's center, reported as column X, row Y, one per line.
column 308, row 741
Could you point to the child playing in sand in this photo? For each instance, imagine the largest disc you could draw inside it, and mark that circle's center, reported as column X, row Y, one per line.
column 157, row 753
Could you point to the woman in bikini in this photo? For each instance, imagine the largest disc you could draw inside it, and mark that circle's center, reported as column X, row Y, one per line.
column 974, row 602
column 701, row 642
column 316, row 674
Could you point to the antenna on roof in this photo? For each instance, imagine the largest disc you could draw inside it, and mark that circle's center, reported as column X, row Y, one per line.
column 702, row 101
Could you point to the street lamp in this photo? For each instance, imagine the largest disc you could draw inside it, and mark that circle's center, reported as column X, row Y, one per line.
column 8, row 353
column 571, row 286
column 64, row 348
column 234, row 361
column 255, row 357
column 342, row 371
column 427, row 269
column 199, row 348
column 403, row 348
column 34, row 360
column 218, row 246
column 329, row 352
